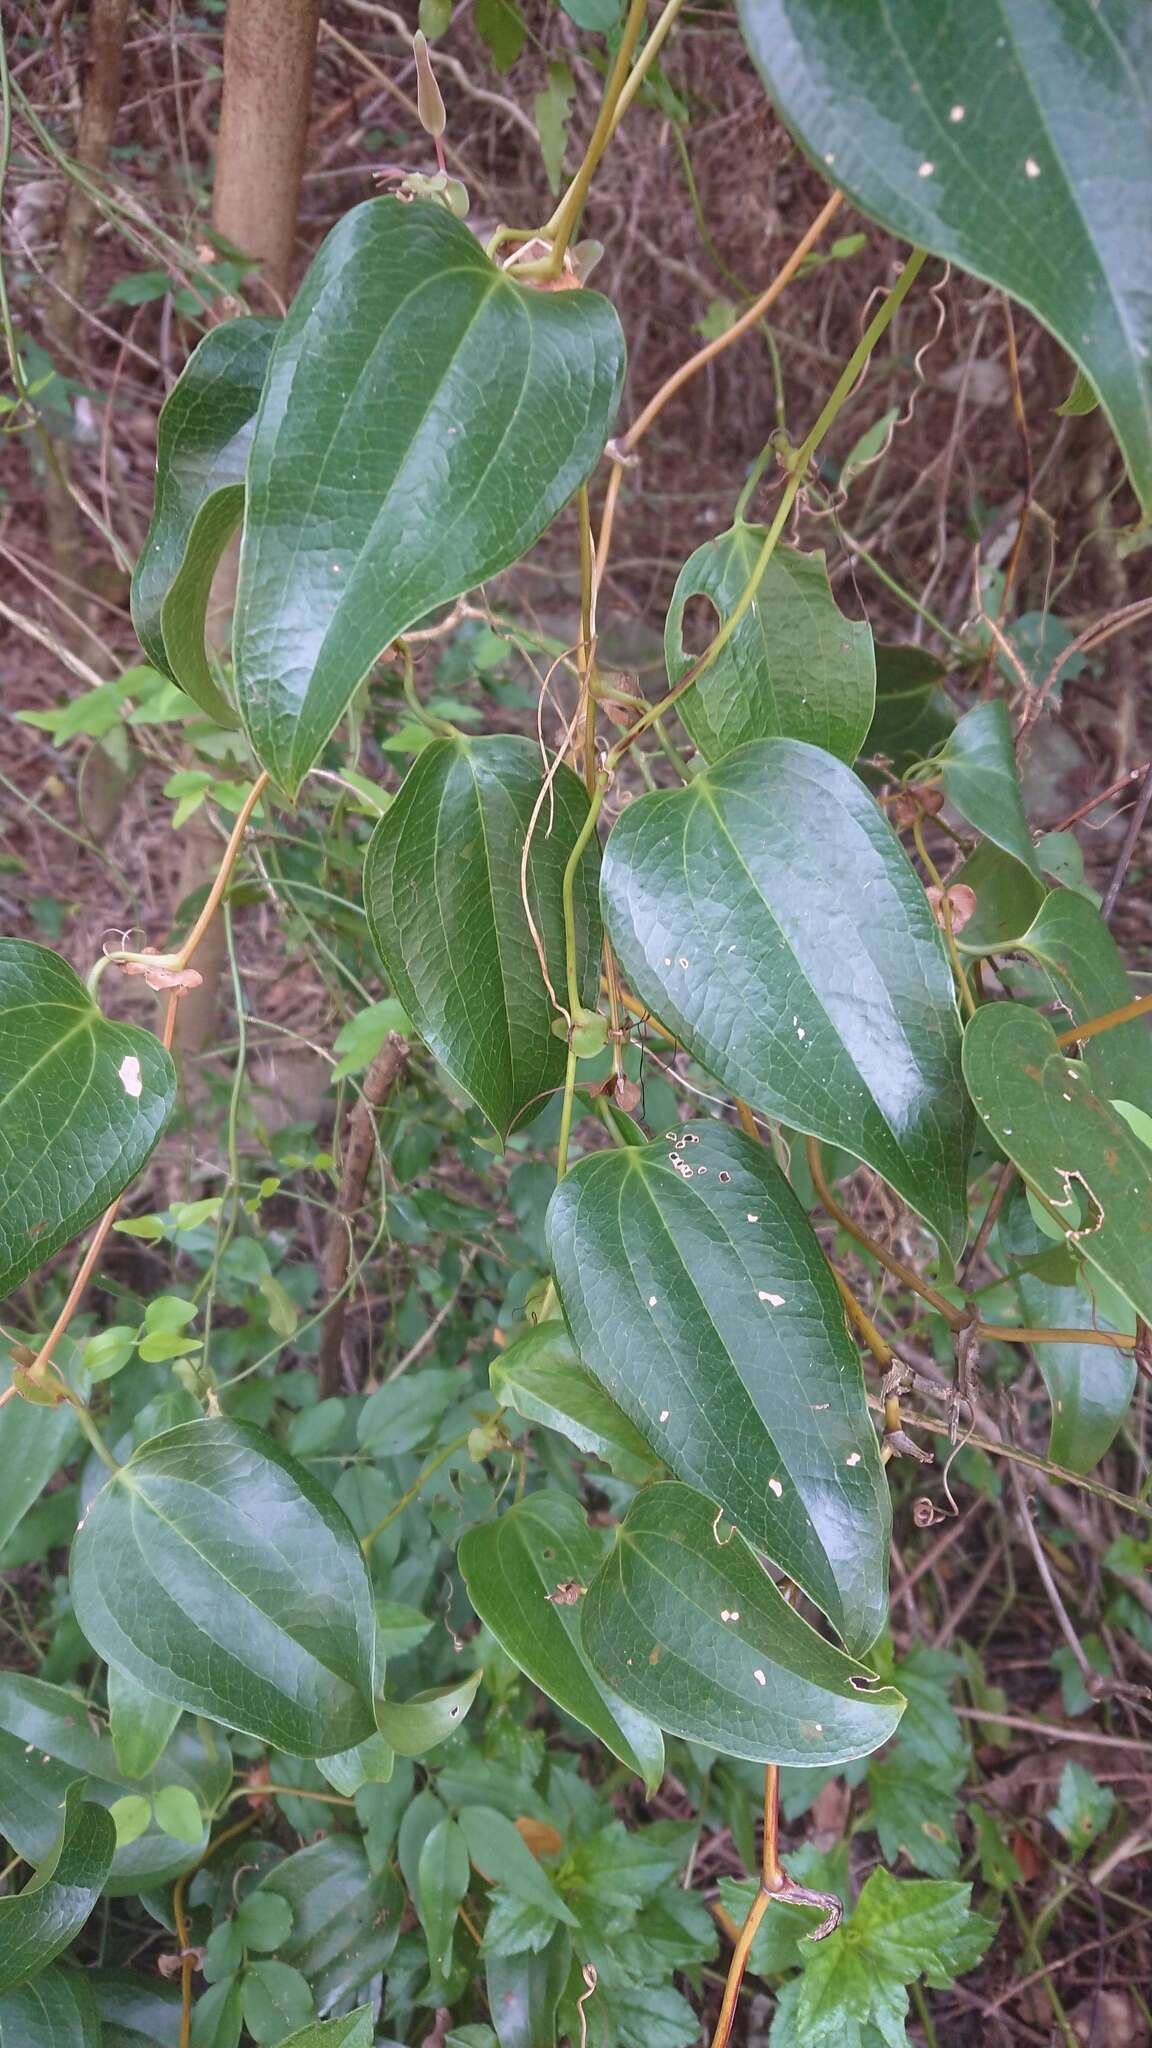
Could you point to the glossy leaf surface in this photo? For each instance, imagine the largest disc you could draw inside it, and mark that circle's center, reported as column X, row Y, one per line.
column 1089, row 1385
column 978, row 765
column 542, row 1378
column 220, row 1575
column 141, row 1725
column 795, row 668
column 1069, row 1143
column 1071, row 941
column 524, row 1991
column 34, row 1443
column 768, row 915
column 354, row 2030
column 443, row 894
column 687, row 1625
column 203, row 437
column 511, row 1568
column 46, row 1746
column 345, row 1916
column 56, row 2010
column 1008, row 896
column 1010, row 138
column 424, row 419
column 82, row 1103
column 40, row 1921
column 413, row 1726
column 698, row 1295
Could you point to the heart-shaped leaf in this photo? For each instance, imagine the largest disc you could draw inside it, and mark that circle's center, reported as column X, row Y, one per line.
column 57, row 2010
column 442, row 886
column 768, row 915
column 912, row 713
column 424, row 419
column 1071, row 941
column 47, row 1746
column 82, row 1103
column 203, row 437
column 1070, row 1144
column 41, row 1921
column 687, row 1625
column 795, row 668
column 1008, row 896
column 698, row 1295
column 345, row 1916
column 520, row 1572
column 219, row 1574
column 978, row 765
column 542, row 1378
column 998, row 136
column 411, row 1727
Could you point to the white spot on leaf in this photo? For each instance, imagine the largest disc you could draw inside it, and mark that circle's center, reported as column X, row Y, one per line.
column 775, row 1487
column 758, row 1675
column 130, row 1079
column 773, row 1300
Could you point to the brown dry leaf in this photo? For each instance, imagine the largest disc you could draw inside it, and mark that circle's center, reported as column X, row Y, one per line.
column 539, row 1835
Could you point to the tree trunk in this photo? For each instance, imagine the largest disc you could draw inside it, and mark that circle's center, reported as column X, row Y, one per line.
column 269, row 52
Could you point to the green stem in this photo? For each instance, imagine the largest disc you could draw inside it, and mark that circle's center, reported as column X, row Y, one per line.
column 568, row 891
column 433, row 1465
column 87, row 1421
column 798, row 468
column 566, row 1115
column 563, row 223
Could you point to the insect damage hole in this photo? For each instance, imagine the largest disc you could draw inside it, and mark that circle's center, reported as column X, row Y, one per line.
column 131, row 1079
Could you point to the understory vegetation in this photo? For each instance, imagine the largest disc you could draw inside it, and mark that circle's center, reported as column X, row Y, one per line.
column 575, row 1081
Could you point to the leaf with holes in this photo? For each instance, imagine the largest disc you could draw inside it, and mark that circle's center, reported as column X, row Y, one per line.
column 1069, row 939
column 1071, row 1145
column 686, row 1624
column 542, row 1378
column 768, row 915
column 698, row 1295
column 424, row 419
column 203, row 437
column 514, row 1570
column 1011, row 139
column 412, row 1727
column 442, row 886
column 82, row 1103
column 220, row 1575
column 795, row 668
column 39, row 1922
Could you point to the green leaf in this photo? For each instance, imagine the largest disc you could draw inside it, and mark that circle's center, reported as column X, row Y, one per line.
column 795, row 668
column 57, row 2010
column 34, row 1443
column 500, row 1854
column 1082, row 1808
column 360, row 1039
column 412, row 1727
column 978, row 765
column 354, row 2030
column 524, row 1991
column 221, row 1576
column 995, row 137
column 913, row 1812
column 1089, row 1386
column 510, row 1568
column 1008, row 896
column 599, row 16
column 218, row 2015
column 1081, row 398
column 541, row 1377
column 371, row 1762
column 1070, row 1144
column 274, row 1997
column 912, row 713
column 698, row 1295
column 178, row 1812
column 49, row 1742
column 443, row 893
column 1071, row 941
column 404, row 1413
column 82, row 1103
column 202, row 441
column 688, row 1627
column 264, row 1920
column 131, row 1816
column 500, row 27
column 435, row 17
column 137, row 2012
column 442, row 1882
column 345, row 1918
column 768, row 915
column 425, row 417
column 551, row 110
column 47, row 1915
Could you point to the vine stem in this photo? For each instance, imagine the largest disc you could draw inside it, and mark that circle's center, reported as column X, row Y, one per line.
column 187, row 1953
column 699, row 361
column 798, row 467
column 955, row 1317
column 1138, row 1007
column 772, row 1881
column 563, row 222
column 177, row 961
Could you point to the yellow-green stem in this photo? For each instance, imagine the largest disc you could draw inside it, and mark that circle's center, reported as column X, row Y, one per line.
column 563, row 223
